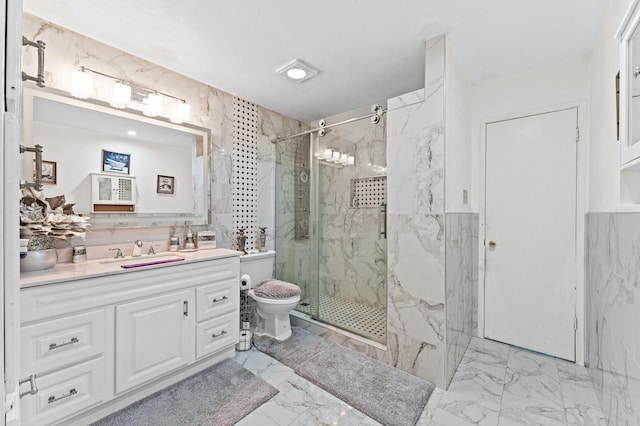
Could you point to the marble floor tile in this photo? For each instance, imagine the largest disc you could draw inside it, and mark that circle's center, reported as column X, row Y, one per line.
column 495, row 385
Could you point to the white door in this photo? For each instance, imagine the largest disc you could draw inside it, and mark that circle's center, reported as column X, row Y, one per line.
column 530, row 236
column 153, row 336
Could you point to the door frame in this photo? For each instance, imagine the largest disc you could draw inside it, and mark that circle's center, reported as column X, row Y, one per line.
column 582, row 155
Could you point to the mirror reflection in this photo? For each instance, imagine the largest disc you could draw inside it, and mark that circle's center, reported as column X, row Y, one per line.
column 634, row 86
column 120, row 168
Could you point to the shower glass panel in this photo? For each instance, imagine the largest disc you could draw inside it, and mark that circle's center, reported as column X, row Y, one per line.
column 341, row 265
column 296, row 238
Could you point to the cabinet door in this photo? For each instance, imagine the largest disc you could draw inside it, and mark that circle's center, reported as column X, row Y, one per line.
column 153, row 337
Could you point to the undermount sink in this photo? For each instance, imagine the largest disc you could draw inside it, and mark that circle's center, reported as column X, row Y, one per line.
column 144, row 260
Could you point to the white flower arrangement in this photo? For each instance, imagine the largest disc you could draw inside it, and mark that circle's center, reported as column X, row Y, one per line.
column 49, row 218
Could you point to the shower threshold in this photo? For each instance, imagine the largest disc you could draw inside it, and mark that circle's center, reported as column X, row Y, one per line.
column 355, row 320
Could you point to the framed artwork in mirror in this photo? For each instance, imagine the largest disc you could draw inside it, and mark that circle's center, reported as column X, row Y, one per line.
column 166, row 184
column 49, row 172
column 115, row 162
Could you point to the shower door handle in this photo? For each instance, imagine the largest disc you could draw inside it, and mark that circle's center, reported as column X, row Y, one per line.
column 382, row 221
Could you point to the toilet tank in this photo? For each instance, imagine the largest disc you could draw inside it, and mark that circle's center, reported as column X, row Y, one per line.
column 259, row 266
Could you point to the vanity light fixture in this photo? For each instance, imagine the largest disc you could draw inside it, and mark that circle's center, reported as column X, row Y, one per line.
column 297, row 70
column 125, row 92
column 336, row 158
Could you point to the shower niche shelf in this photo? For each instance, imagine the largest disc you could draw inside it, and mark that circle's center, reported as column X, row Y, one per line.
column 368, row 191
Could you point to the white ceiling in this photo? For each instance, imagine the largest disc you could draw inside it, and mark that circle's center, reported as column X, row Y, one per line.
column 365, row 51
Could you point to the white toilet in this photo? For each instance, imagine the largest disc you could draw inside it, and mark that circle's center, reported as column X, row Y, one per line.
column 273, row 313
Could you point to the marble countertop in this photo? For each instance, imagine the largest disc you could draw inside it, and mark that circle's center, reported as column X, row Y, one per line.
column 65, row 272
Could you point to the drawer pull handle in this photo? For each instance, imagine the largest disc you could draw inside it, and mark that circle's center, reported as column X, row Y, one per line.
column 215, row 335
column 222, row 299
column 32, row 383
column 53, row 399
column 70, row 342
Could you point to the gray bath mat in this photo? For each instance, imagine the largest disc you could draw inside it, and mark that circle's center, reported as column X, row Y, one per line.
column 297, row 349
column 384, row 393
column 220, row 395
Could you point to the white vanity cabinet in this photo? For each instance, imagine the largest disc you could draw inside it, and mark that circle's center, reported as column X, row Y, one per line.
column 98, row 344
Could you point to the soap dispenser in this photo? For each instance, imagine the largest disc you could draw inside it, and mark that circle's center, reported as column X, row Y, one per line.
column 262, row 239
column 241, row 240
column 188, row 243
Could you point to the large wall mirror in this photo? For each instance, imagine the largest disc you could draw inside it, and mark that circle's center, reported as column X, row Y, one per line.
column 166, row 166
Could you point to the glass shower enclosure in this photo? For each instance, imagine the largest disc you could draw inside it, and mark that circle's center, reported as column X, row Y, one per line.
column 331, row 203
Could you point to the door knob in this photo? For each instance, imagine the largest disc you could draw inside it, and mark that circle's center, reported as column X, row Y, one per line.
column 492, row 244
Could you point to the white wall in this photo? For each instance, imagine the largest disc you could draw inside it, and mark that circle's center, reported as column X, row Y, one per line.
column 604, row 155
column 457, row 170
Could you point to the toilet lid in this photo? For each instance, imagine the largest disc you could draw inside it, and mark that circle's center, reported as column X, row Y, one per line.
column 276, row 289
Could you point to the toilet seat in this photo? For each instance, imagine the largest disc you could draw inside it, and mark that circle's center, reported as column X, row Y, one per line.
column 273, row 301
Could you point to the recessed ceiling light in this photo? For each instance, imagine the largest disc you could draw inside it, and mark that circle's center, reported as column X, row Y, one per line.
column 296, row 73
column 131, row 133
column 297, row 70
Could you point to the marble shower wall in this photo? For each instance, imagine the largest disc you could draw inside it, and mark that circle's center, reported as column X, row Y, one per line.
column 461, row 282
column 210, row 108
column 352, row 257
column 416, row 253
column 613, row 313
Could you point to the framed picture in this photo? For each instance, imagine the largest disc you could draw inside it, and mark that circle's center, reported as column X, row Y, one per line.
column 165, row 184
column 49, row 172
column 115, row 162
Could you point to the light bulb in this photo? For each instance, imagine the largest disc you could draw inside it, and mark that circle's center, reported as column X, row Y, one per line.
column 154, row 105
column 121, row 95
column 335, row 156
column 81, row 84
column 327, row 154
column 181, row 112
column 351, row 160
column 343, row 158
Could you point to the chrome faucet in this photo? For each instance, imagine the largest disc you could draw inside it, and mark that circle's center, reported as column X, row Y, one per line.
column 119, row 254
column 136, row 249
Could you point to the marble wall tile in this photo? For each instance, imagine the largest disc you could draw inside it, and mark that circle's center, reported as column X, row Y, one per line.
column 612, row 313
column 416, row 252
column 210, row 108
column 459, row 282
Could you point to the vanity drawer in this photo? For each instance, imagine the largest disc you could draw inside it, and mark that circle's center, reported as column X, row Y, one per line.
column 216, row 334
column 65, row 393
column 61, row 342
column 217, row 299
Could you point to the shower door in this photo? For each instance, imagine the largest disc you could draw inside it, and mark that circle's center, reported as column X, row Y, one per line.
column 349, row 203
column 331, row 225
